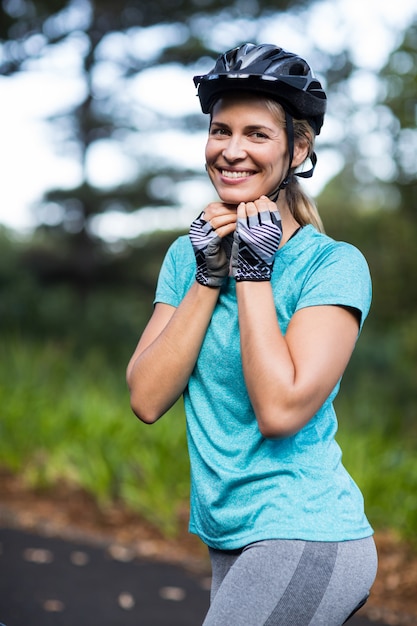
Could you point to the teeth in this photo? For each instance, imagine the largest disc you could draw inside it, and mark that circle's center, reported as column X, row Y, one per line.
column 228, row 174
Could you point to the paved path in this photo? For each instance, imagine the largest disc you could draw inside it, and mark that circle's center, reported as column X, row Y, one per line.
column 46, row 581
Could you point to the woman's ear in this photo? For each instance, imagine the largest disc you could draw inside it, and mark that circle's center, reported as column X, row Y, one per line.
column 300, row 153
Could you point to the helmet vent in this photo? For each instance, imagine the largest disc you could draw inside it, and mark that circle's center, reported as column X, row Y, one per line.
column 298, row 69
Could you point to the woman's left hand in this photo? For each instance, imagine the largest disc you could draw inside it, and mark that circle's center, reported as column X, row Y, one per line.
column 256, row 239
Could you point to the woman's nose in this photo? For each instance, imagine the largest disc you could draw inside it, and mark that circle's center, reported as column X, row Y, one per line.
column 234, row 149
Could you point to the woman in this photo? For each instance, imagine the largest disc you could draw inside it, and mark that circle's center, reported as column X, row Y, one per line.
column 256, row 316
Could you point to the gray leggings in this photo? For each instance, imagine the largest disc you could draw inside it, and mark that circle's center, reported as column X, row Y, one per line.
column 290, row 583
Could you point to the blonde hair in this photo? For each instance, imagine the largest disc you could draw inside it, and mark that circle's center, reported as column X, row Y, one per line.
column 302, row 207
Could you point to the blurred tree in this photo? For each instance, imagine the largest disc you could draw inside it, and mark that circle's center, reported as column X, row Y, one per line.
column 373, row 203
column 400, row 96
column 112, row 44
column 27, row 27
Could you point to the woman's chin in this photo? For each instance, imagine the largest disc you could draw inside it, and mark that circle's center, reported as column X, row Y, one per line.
column 236, row 196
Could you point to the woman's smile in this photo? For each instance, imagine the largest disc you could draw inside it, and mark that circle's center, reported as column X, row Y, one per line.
column 235, row 174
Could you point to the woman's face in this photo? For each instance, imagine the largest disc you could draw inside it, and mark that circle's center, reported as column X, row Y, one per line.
column 246, row 151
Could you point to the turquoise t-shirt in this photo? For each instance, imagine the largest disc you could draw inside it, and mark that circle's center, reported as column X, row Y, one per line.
column 244, row 487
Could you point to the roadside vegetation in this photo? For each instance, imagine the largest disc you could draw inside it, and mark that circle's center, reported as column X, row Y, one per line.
column 66, row 417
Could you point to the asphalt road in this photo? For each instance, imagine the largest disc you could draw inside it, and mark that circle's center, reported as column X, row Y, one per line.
column 47, row 581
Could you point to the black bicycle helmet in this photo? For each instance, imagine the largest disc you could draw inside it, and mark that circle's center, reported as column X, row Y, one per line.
column 269, row 70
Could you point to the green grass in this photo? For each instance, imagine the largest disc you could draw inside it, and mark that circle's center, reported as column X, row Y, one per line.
column 386, row 472
column 66, row 416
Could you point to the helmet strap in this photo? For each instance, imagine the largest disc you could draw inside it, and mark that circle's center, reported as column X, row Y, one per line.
column 307, row 174
column 290, row 139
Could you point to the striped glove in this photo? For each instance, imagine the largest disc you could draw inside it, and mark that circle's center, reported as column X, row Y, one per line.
column 255, row 242
column 211, row 252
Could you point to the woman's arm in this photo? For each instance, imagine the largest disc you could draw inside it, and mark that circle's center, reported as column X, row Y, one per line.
column 166, row 354
column 289, row 377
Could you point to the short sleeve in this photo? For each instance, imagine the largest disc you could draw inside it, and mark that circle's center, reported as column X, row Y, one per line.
column 176, row 274
column 340, row 276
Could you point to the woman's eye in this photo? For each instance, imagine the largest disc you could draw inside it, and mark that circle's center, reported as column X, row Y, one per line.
column 218, row 131
column 259, row 135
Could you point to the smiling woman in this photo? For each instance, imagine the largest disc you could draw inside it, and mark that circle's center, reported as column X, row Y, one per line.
column 256, row 316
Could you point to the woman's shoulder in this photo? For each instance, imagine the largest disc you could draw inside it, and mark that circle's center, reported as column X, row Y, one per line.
column 181, row 250
column 321, row 246
column 182, row 242
column 328, row 271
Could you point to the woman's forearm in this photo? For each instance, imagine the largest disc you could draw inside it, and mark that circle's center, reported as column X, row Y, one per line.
column 289, row 377
column 267, row 363
column 166, row 354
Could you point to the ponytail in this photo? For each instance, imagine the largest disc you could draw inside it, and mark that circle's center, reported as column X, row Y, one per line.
column 302, row 207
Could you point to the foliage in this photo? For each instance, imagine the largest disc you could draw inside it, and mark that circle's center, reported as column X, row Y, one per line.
column 52, row 18
column 386, row 472
column 386, row 238
column 46, row 295
column 377, row 409
column 66, row 417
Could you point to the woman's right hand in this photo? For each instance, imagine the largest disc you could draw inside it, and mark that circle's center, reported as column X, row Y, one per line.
column 211, row 238
column 222, row 217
